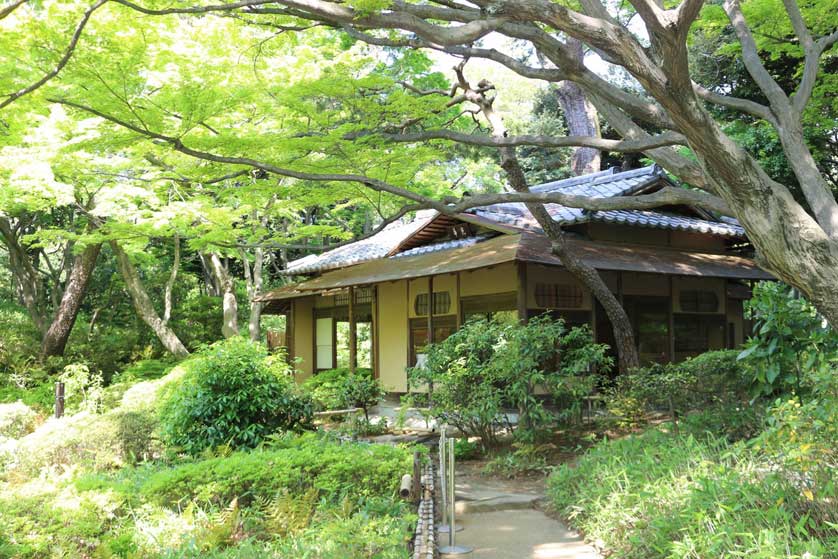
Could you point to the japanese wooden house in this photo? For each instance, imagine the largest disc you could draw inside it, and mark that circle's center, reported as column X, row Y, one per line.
column 681, row 274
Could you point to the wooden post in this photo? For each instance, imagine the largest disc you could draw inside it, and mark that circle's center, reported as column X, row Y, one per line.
column 522, row 292
column 417, row 476
column 353, row 345
column 59, row 399
column 671, row 321
column 430, row 332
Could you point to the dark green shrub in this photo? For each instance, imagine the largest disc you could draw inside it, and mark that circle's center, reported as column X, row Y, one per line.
column 790, row 341
column 298, row 465
column 328, row 388
column 488, row 367
column 465, row 449
column 233, row 394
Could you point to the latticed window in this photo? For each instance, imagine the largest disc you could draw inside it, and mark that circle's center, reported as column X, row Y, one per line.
column 695, row 300
column 442, row 303
column 558, row 296
column 362, row 295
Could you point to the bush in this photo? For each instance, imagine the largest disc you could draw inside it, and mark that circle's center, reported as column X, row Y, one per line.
column 662, row 496
column 328, row 388
column 234, row 394
column 17, row 420
column 711, row 379
column 487, row 367
column 297, row 465
column 526, row 459
column 99, row 441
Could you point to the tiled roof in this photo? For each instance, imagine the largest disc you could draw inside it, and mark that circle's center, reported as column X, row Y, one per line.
column 376, row 246
column 444, row 245
column 604, row 184
column 607, row 184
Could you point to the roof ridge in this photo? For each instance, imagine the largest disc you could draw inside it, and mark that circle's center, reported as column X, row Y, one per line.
column 608, row 175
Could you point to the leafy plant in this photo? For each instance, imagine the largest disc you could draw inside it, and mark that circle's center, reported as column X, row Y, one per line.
column 233, row 395
column 526, row 459
column 465, row 449
column 489, row 367
column 790, row 339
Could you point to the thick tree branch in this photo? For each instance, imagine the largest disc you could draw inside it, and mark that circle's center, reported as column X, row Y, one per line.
column 9, row 8
column 627, row 146
column 744, row 105
column 65, row 58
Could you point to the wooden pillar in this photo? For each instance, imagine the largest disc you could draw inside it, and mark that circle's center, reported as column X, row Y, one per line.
column 353, row 338
column 522, row 292
column 671, row 321
column 376, row 373
column 430, row 331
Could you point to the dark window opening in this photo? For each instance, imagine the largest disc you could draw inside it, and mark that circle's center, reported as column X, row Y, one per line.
column 694, row 300
column 696, row 333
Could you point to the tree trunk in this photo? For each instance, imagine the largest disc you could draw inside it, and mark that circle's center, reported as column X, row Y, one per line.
column 623, row 335
column 27, row 281
column 55, row 339
column 580, row 116
column 230, row 307
column 143, row 305
column 253, row 277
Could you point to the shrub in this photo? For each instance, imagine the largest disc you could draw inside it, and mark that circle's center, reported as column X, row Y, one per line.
column 234, row 395
column 711, row 379
column 17, row 420
column 328, row 388
column 489, row 366
column 790, row 340
column 465, row 449
column 100, row 441
column 295, row 466
column 526, row 459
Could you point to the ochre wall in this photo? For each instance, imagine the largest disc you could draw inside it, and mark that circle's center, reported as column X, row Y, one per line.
column 393, row 335
column 486, row 281
column 303, row 310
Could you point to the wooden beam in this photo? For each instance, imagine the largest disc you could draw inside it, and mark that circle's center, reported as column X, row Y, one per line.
column 376, row 363
column 671, row 321
column 353, row 335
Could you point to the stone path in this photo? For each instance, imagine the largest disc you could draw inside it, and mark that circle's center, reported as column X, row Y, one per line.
column 500, row 521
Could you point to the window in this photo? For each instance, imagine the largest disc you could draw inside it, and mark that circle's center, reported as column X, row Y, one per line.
column 558, row 295
column 443, row 327
column 442, row 303
column 362, row 295
column 488, row 306
column 694, row 300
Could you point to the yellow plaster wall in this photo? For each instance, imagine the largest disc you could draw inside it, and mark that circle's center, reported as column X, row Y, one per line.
column 486, row 281
column 446, row 282
column 303, row 310
column 393, row 335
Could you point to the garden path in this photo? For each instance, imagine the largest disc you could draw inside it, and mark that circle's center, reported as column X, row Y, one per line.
column 501, row 520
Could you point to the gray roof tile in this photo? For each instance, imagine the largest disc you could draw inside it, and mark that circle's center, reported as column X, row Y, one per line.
column 604, row 184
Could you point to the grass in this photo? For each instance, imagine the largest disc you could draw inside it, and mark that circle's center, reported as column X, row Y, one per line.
column 693, row 495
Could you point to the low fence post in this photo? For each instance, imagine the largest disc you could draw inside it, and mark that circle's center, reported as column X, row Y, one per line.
column 59, row 399
column 452, row 548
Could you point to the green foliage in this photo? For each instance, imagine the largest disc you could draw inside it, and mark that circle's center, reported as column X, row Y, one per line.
column 662, row 496
column 338, row 500
column 82, row 388
column 526, row 459
column 17, row 420
column 465, row 449
column 234, row 394
column 791, row 340
column 297, row 465
column 488, row 367
column 338, row 389
column 707, row 380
